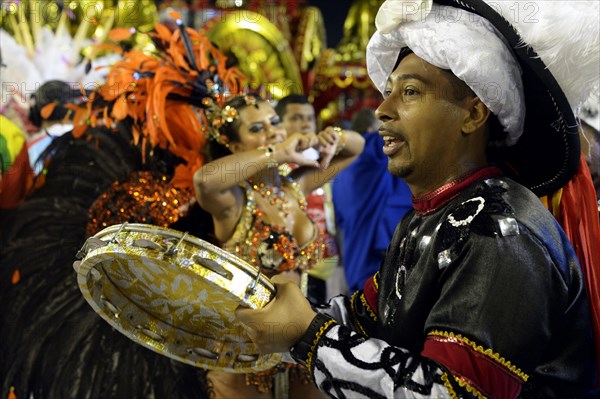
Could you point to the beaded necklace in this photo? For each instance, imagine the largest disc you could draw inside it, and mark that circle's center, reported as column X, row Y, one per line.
column 276, row 196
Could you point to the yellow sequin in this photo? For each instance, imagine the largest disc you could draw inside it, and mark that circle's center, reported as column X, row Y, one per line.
column 363, row 299
column 320, row 333
column 272, row 247
column 469, row 388
column 487, row 352
column 355, row 316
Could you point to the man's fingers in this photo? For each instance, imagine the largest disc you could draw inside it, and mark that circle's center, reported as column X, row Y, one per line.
column 244, row 314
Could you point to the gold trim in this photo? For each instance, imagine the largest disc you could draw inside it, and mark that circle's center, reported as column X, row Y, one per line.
column 258, row 32
column 120, row 276
column 472, row 390
column 487, row 352
column 366, row 304
column 375, row 283
column 448, row 386
column 318, row 335
column 311, row 39
column 354, row 315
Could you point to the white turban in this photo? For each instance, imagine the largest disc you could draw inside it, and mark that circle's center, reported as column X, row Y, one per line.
column 456, row 40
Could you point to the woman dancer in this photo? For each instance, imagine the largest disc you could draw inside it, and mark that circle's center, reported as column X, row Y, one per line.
column 260, row 215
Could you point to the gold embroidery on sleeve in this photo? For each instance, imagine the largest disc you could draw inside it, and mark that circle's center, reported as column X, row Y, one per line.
column 313, row 347
column 450, row 336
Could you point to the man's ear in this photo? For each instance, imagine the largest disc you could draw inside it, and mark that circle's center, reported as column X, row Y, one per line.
column 477, row 116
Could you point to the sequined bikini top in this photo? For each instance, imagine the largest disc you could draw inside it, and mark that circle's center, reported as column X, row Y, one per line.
column 272, row 247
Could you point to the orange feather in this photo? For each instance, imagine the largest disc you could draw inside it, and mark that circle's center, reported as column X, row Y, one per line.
column 14, row 280
column 120, row 34
column 163, row 33
column 120, row 108
column 174, row 15
column 47, row 110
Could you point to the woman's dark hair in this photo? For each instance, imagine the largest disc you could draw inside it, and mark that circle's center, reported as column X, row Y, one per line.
column 52, row 91
column 215, row 150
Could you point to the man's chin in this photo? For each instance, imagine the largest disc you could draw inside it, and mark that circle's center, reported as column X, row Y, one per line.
column 401, row 171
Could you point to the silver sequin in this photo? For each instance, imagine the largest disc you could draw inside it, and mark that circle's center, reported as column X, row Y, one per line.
column 444, row 258
column 425, row 240
column 496, row 183
column 508, row 226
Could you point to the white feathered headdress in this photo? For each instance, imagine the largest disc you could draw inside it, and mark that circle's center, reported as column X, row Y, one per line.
column 556, row 47
column 53, row 56
column 566, row 36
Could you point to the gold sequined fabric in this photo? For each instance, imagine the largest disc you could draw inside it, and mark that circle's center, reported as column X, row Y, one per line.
column 143, row 197
column 272, row 247
column 262, row 385
column 263, row 381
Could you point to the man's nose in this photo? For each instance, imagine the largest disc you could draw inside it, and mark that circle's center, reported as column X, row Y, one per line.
column 306, row 125
column 383, row 112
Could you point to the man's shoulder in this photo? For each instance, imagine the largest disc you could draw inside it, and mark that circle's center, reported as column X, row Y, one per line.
column 529, row 209
column 497, row 207
column 500, row 208
column 504, row 196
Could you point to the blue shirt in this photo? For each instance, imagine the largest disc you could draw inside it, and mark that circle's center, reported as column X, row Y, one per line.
column 369, row 202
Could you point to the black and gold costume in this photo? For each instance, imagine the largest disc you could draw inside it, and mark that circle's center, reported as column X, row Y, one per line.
column 480, row 295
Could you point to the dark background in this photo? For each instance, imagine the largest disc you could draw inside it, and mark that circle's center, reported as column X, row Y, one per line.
column 334, row 13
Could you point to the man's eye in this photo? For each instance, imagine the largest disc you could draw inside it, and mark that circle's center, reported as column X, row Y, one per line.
column 387, row 92
column 410, row 91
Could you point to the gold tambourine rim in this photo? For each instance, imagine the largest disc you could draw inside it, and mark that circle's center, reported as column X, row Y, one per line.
column 146, row 228
column 85, row 267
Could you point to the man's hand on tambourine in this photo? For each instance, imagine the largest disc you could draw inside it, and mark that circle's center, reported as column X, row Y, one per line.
column 279, row 325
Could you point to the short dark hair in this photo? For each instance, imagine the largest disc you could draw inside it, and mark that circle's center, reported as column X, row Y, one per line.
column 280, row 108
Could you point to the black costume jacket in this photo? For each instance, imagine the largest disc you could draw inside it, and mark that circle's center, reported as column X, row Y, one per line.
column 480, row 295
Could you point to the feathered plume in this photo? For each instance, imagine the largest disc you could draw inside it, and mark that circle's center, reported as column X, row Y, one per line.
column 20, row 70
column 590, row 111
column 57, row 57
column 575, row 64
column 159, row 95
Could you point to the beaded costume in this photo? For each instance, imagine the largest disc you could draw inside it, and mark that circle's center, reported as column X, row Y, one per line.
column 271, row 247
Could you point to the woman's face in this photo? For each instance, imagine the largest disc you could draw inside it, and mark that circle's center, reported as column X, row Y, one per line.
column 259, row 126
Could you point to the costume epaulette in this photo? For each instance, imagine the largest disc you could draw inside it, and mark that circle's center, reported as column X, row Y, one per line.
column 486, row 213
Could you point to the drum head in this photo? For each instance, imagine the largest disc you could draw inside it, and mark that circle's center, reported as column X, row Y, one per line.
column 175, row 294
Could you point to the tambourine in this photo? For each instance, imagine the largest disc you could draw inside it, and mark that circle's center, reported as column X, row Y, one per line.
column 175, row 294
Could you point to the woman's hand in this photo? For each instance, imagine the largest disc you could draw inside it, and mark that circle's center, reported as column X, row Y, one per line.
column 328, row 144
column 338, row 148
column 290, row 150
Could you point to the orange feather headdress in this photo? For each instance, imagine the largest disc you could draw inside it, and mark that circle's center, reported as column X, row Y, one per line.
column 161, row 96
